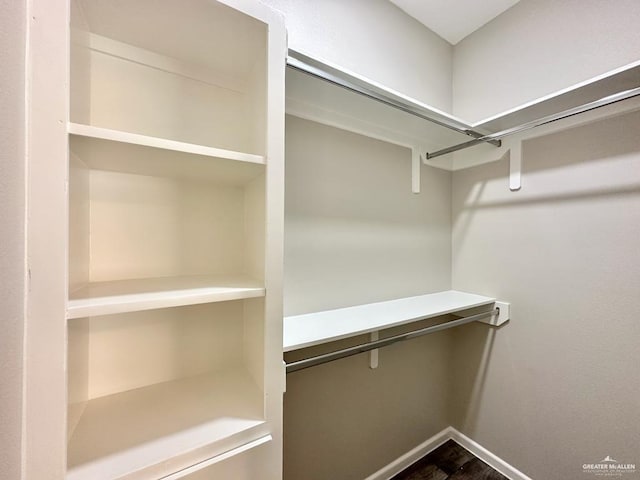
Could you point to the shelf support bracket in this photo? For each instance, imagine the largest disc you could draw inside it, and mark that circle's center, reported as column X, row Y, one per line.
column 415, row 170
column 373, row 354
column 515, row 166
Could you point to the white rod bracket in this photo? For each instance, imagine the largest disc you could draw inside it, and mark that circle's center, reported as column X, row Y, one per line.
column 373, row 354
column 415, row 170
column 515, row 166
column 502, row 317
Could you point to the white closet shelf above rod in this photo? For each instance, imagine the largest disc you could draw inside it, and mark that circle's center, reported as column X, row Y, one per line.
column 317, row 328
column 612, row 87
column 369, row 346
column 360, row 85
column 602, row 102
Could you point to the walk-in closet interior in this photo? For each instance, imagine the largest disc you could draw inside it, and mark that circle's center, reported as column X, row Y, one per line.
column 319, row 239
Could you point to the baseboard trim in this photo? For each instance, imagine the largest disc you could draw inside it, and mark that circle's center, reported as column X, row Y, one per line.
column 434, row 442
column 487, row 457
column 412, row 456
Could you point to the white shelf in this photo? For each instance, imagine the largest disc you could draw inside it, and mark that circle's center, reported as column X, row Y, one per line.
column 159, row 428
column 610, row 83
column 114, row 150
column 310, row 329
column 103, row 298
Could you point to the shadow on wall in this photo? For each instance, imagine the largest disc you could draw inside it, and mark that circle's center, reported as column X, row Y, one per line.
column 598, row 141
column 585, row 152
column 563, row 251
column 476, row 340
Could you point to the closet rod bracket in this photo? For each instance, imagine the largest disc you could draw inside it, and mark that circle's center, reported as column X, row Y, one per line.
column 515, row 166
column 503, row 315
column 373, row 354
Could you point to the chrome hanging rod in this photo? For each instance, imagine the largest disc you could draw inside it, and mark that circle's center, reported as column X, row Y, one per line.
column 309, row 66
column 608, row 100
column 366, row 347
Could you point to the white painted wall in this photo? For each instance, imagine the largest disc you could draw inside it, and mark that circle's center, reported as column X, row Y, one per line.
column 538, row 47
column 12, row 216
column 557, row 386
column 354, row 233
column 375, row 39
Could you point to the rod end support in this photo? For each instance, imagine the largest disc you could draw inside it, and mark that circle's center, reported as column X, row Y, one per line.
column 503, row 316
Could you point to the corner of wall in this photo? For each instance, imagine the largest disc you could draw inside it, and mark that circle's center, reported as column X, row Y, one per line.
column 538, row 47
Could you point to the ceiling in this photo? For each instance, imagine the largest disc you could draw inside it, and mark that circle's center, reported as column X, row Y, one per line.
column 454, row 19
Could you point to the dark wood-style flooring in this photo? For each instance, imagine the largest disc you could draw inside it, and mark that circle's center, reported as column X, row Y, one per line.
column 449, row 461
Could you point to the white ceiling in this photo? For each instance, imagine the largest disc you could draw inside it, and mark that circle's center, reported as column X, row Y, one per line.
column 454, row 19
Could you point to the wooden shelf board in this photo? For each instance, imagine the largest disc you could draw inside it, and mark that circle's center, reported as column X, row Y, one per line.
column 113, row 150
column 103, row 298
column 310, row 329
column 151, row 428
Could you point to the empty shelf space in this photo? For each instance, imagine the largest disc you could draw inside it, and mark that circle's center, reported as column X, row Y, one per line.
column 113, row 150
column 103, row 298
column 310, row 329
column 151, row 428
column 151, row 69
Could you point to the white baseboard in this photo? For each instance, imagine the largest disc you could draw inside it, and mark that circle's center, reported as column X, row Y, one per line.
column 412, row 456
column 434, row 442
column 487, row 457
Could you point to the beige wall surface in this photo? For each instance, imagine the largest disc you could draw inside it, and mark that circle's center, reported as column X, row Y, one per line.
column 538, row 47
column 12, row 212
column 557, row 386
column 354, row 233
column 375, row 39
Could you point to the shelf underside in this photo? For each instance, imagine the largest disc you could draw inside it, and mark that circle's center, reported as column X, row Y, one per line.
column 145, row 428
column 310, row 329
column 103, row 298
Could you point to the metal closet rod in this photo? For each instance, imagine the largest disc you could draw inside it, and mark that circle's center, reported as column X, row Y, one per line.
column 304, row 64
column 609, row 100
column 366, row 347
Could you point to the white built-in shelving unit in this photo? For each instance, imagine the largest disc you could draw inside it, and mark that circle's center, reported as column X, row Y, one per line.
column 175, row 227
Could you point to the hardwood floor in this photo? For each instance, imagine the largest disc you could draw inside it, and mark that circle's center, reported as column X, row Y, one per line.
column 449, row 461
